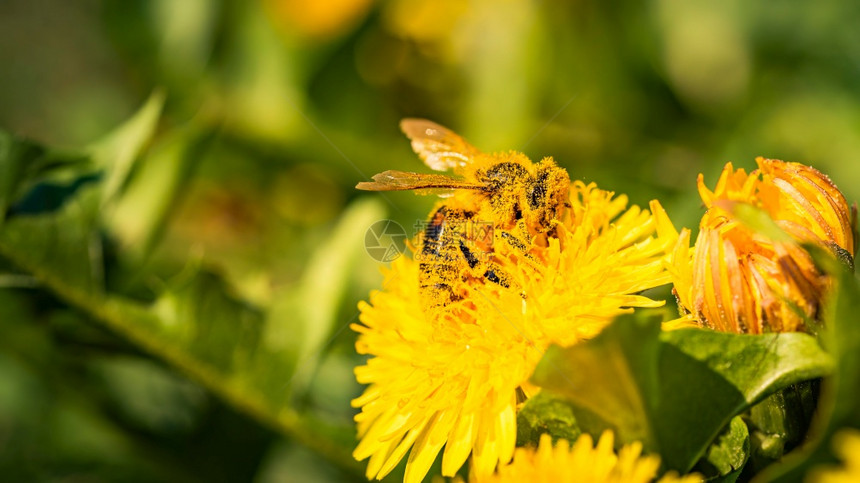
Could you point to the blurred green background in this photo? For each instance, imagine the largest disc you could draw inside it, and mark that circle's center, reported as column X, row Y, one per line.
column 275, row 109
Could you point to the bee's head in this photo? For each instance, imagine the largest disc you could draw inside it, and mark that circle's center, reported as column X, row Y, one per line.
column 515, row 192
column 547, row 195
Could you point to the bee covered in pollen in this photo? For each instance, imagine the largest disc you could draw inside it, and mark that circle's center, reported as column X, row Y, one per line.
column 495, row 198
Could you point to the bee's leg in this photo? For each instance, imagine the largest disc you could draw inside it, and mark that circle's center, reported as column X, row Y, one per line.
column 496, row 274
column 471, row 258
column 552, row 232
column 493, row 272
column 516, row 243
column 437, row 283
column 521, row 242
column 481, row 267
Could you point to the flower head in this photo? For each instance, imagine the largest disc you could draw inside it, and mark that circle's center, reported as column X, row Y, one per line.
column 455, row 381
column 583, row 462
column 739, row 280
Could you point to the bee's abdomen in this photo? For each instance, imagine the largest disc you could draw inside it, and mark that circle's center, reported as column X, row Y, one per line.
column 442, row 251
column 432, row 240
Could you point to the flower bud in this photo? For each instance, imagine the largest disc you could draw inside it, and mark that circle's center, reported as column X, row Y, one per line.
column 739, row 280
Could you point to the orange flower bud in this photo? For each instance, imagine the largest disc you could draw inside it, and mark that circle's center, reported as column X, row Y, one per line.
column 740, row 280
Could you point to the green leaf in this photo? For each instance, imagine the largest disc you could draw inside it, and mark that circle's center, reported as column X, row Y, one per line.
column 15, row 157
column 610, row 376
column 116, row 152
column 139, row 215
column 63, row 247
column 24, row 163
column 780, row 422
column 195, row 325
column 674, row 391
column 302, row 318
column 197, row 314
column 546, row 413
column 839, row 403
column 726, row 456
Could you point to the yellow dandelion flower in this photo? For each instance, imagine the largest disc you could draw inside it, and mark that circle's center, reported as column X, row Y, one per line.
column 738, row 280
column 583, row 462
column 847, row 446
column 455, row 381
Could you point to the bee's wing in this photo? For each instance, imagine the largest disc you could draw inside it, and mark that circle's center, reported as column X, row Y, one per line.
column 439, row 147
column 401, row 180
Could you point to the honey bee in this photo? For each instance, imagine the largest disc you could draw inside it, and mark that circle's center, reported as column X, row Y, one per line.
column 495, row 197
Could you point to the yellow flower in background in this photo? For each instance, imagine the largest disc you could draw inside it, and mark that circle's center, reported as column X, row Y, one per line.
column 425, row 21
column 738, row 280
column 583, row 463
column 321, row 19
column 846, row 444
column 455, row 381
